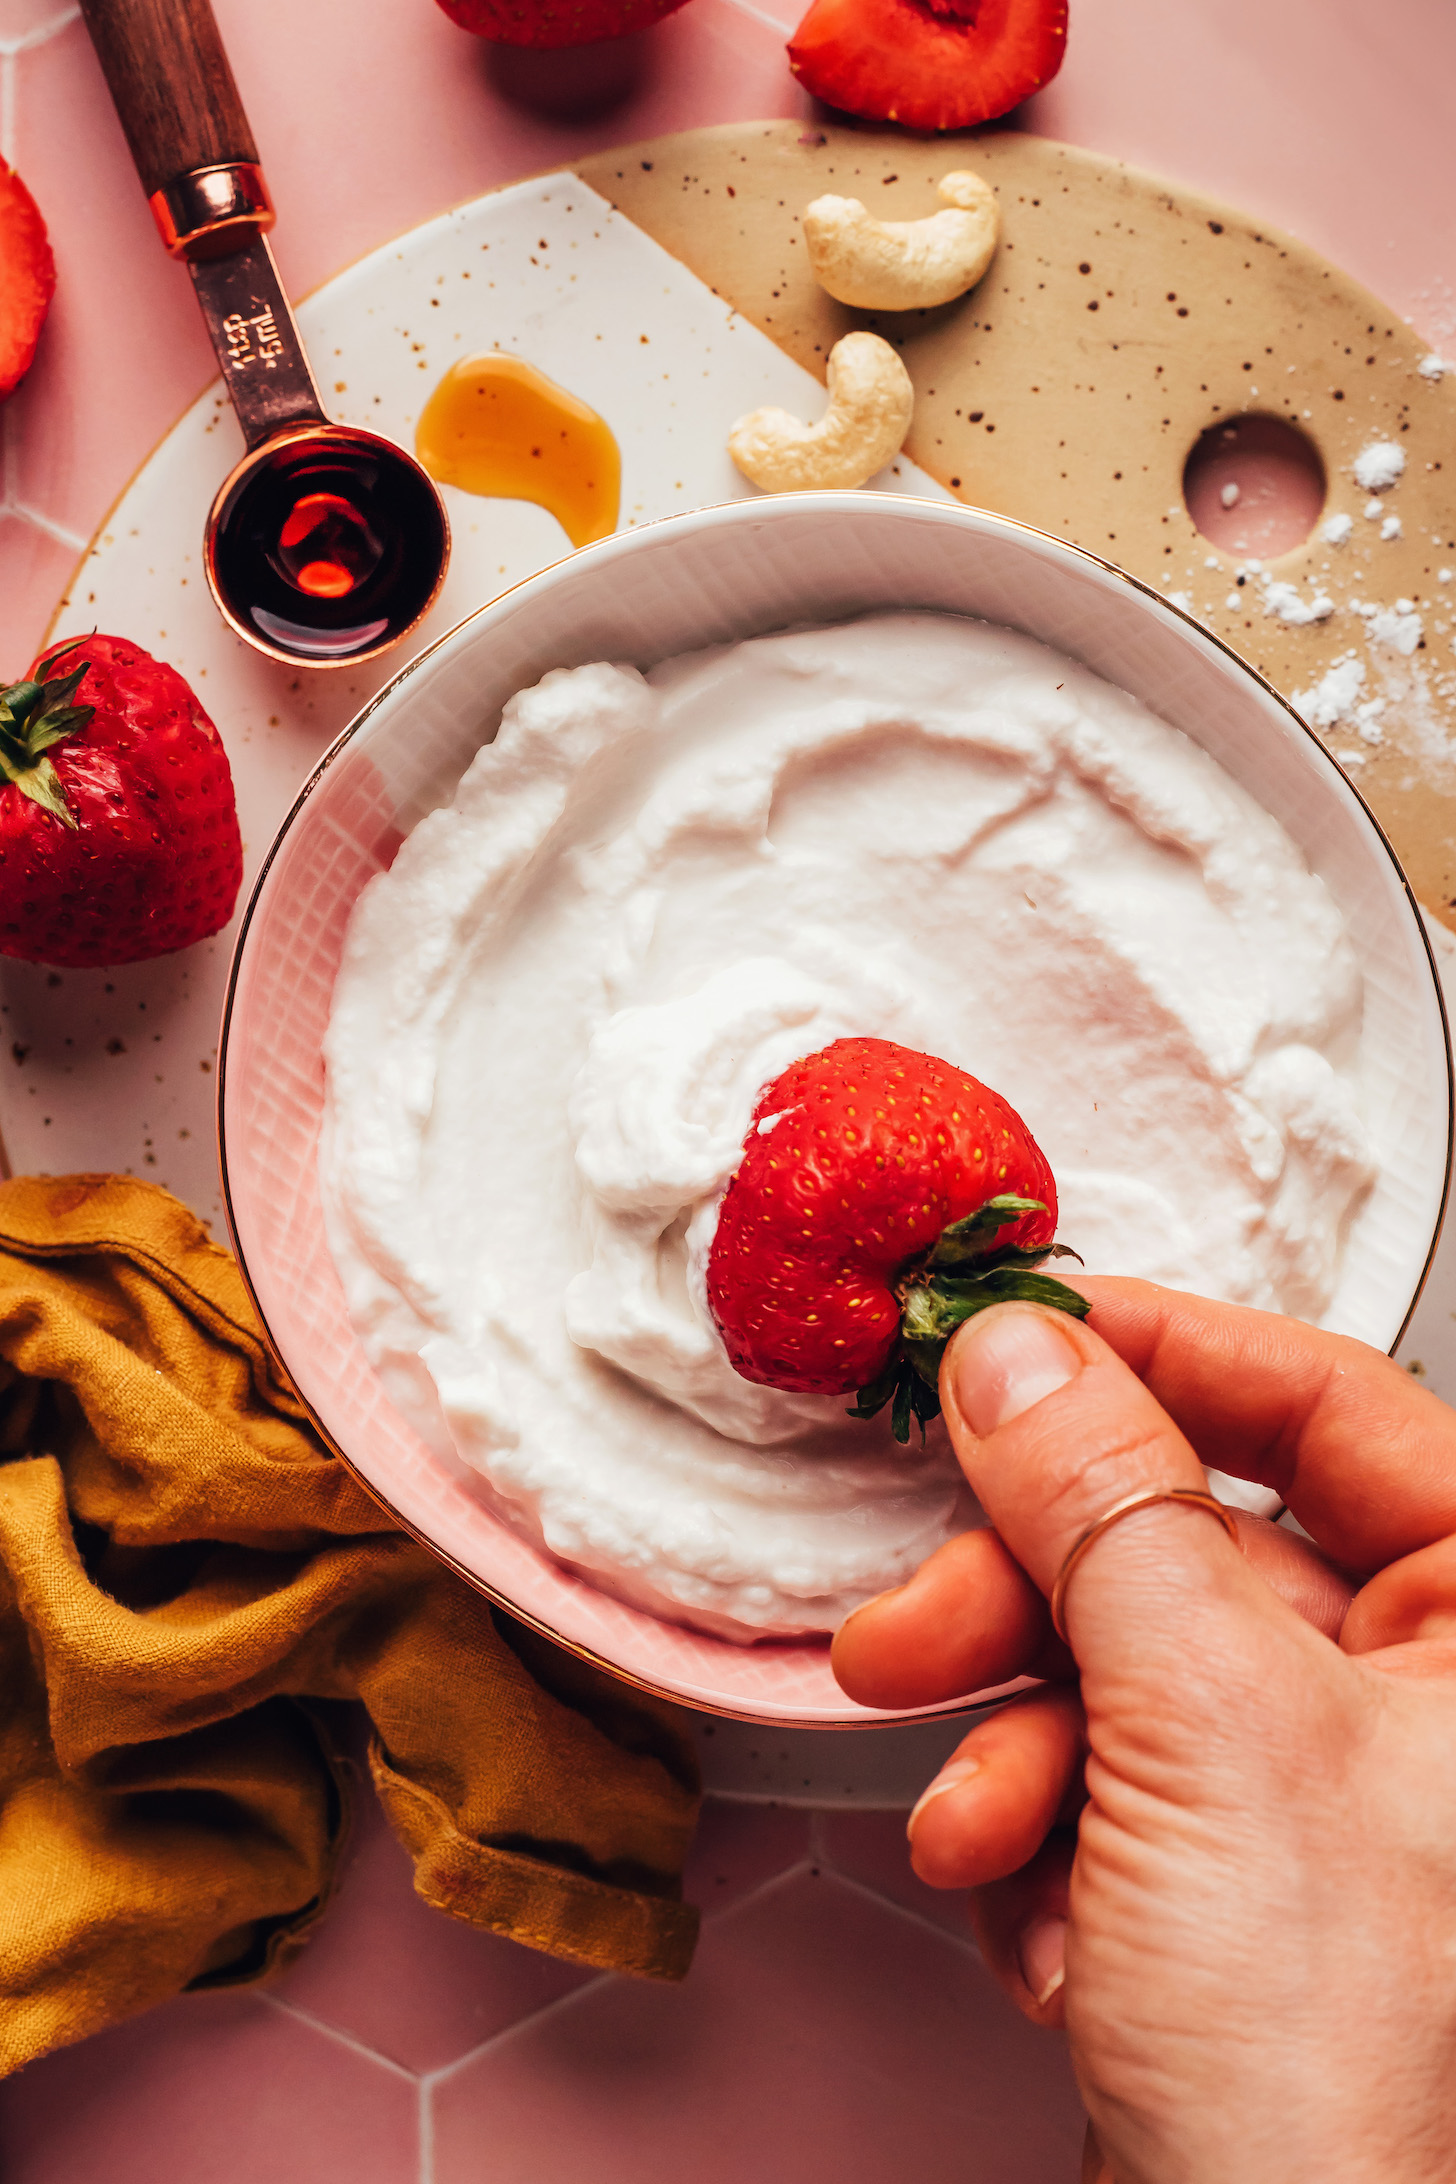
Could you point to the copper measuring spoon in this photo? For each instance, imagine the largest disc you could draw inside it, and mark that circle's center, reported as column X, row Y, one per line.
column 326, row 544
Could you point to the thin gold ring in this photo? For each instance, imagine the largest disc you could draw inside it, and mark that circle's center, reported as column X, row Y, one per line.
column 1192, row 1497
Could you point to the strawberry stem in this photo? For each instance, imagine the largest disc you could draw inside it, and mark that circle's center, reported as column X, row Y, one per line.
column 934, row 1302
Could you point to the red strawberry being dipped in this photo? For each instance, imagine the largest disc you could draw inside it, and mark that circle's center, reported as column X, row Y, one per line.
column 928, row 64
column 118, row 829
column 883, row 1198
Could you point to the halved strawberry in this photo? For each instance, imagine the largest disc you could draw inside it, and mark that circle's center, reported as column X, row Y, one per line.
column 929, row 64
column 883, row 1198
column 547, row 23
column 27, row 278
column 118, row 829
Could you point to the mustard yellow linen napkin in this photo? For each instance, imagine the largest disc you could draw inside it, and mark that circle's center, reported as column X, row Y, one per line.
column 184, row 1570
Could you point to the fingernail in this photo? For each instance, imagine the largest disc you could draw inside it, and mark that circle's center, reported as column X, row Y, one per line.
column 1042, row 1955
column 1006, row 1361
column 876, row 1600
column 951, row 1776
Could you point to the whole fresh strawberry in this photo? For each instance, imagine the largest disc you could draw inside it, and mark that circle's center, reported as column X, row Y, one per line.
column 27, row 278
column 929, row 64
column 118, row 828
column 883, row 1198
column 555, row 22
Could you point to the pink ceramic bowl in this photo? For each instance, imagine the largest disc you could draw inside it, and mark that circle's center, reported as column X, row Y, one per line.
column 644, row 595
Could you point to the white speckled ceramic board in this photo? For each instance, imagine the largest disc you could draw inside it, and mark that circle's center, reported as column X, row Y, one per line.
column 114, row 1070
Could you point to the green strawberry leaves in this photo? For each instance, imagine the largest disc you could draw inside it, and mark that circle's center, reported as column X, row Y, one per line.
column 34, row 716
column 908, row 1393
column 934, row 1310
column 965, row 1240
column 934, row 1302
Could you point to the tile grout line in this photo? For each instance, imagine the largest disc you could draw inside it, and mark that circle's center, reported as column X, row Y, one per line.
column 432, row 2078
column 426, row 2120
column 27, row 514
column 760, row 1888
column 757, row 15
column 42, row 33
column 427, row 2081
column 921, row 1919
column 341, row 2038
column 821, row 1861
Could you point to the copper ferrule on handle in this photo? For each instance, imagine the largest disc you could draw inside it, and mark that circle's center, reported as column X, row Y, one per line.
column 210, row 211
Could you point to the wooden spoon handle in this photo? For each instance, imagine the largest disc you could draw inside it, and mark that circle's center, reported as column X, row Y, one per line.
column 169, row 78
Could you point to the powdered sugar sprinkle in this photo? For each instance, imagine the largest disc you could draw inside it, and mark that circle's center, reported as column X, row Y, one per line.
column 1283, row 599
column 1379, row 465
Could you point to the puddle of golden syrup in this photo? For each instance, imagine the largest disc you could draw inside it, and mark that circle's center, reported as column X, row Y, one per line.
column 497, row 426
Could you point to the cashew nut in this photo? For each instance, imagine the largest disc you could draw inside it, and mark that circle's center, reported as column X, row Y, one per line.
column 870, row 401
column 904, row 265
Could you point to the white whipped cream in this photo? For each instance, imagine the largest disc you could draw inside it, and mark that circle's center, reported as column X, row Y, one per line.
column 555, row 1014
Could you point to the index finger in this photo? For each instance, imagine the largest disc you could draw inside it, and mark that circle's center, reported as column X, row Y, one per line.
column 1363, row 1456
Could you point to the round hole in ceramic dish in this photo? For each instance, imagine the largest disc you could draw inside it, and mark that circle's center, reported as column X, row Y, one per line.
column 714, row 576
column 1254, row 485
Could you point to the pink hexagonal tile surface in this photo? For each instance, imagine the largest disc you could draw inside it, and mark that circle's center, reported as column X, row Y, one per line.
column 822, row 2034
column 33, row 568
column 401, row 2045
column 212, row 2089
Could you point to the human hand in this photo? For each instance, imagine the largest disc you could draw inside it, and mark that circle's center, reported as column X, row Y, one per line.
column 1257, row 1925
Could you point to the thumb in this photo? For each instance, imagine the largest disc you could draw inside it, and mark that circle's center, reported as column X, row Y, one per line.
column 1052, row 1429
